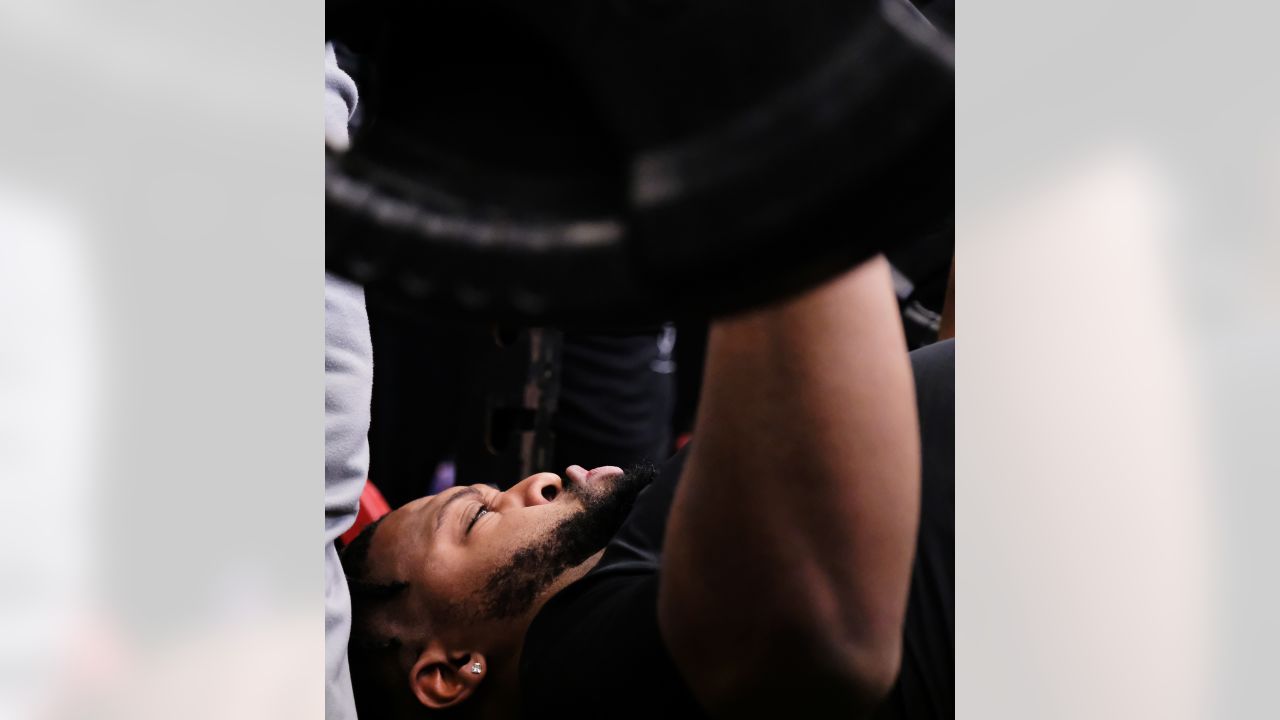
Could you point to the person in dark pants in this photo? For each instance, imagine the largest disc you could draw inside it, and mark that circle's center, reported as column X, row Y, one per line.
column 616, row 398
column 614, row 406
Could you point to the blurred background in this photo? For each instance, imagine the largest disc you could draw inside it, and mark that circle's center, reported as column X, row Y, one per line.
column 161, row 248
column 1116, row 187
column 1117, row 171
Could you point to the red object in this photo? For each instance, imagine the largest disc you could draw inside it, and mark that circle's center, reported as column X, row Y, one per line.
column 682, row 440
column 372, row 507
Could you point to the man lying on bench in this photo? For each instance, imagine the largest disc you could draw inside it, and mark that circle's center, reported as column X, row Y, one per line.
column 762, row 572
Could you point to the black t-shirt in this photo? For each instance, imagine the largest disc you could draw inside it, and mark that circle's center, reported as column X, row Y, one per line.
column 594, row 649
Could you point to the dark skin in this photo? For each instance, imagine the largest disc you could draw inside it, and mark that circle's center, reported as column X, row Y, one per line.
column 446, row 546
column 794, row 526
column 796, row 516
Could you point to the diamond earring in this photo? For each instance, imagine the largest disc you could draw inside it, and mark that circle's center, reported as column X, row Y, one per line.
column 476, row 669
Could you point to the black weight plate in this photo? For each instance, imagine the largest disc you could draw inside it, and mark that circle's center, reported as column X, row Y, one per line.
column 606, row 163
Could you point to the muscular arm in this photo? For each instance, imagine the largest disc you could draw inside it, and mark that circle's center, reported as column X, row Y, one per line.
column 790, row 539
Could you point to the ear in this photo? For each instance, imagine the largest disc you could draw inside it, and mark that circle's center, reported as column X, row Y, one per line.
column 441, row 679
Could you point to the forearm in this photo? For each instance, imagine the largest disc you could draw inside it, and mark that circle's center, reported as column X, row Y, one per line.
column 791, row 537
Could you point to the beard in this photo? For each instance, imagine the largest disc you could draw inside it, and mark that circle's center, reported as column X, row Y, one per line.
column 511, row 590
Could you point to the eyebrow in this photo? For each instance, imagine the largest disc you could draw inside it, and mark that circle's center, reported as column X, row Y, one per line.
column 463, row 493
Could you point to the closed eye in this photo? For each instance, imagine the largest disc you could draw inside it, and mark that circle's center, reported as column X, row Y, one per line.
column 481, row 511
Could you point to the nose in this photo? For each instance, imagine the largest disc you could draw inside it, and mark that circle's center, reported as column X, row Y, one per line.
column 537, row 489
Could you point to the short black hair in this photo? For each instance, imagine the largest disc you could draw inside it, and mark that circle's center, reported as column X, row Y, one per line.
column 355, row 565
column 366, row 650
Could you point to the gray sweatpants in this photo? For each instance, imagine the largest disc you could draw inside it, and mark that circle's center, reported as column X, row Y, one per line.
column 348, row 385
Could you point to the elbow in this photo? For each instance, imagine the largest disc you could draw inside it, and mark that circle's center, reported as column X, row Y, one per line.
column 852, row 674
column 858, row 652
column 852, row 679
column 867, row 670
column 845, row 679
column 798, row 654
column 791, row 674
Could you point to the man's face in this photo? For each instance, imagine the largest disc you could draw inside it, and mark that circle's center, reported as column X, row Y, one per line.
column 474, row 553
